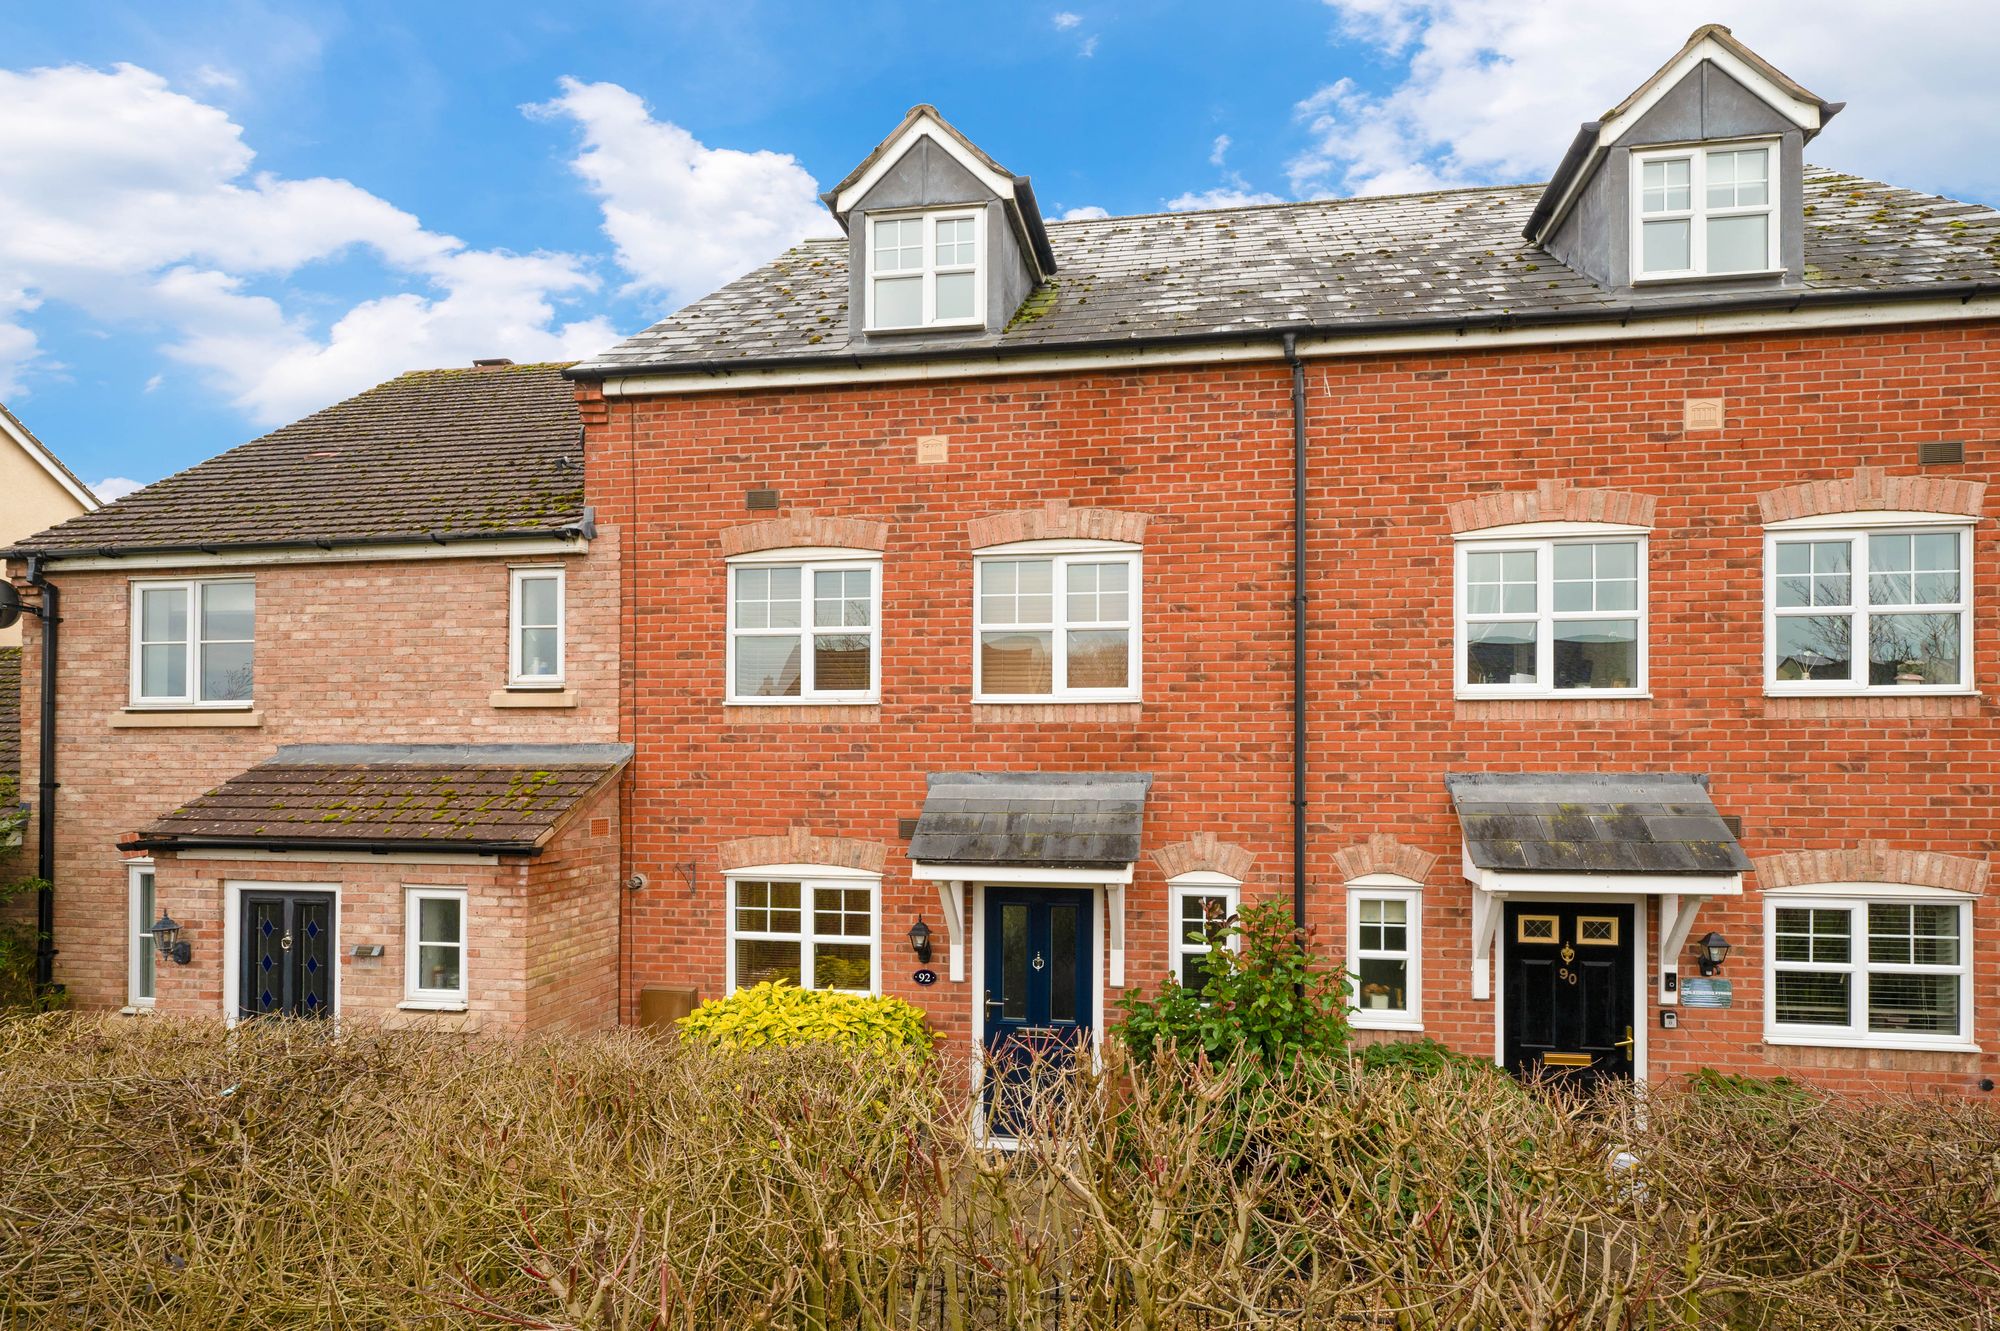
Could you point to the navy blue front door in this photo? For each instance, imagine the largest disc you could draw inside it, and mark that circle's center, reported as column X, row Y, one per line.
column 1040, row 992
column 287, row 963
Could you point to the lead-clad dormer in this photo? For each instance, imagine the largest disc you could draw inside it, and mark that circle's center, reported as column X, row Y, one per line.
column 1695, row 180
column 943, row 241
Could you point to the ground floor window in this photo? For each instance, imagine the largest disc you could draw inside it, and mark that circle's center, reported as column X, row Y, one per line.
column 435, row 945
column 816, row 933
column 1847, row 970
column 1203, row 906
column 1383, row 920
column 141, row 912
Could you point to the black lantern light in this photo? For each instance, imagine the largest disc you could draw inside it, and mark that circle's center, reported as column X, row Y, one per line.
column 168, row 942
column 1714, row 947
column 920, row 940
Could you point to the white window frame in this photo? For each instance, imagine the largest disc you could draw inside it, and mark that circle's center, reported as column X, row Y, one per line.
column 516, row 677
column 1698, row 212
column 415, row 993
column 810, row 878
column 139, row 935
column 1858, row 533
column 1387, row 887
column 1856, row 898
column 930, row 269
column 1199, row 883
column 192, row 697
column 1541, row 539
column 808, row 562
column 1062, row 554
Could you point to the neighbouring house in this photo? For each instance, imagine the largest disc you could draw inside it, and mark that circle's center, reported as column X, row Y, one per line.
column 341, row 703
column 1638, row 522
column 36, row 491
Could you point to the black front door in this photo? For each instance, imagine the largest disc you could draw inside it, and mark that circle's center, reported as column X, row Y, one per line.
column 1568, row 976
column 287, row 964
column 1039, row 993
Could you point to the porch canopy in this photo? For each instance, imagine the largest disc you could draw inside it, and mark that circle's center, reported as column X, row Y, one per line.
column 1060, row 828
column 1555, row 834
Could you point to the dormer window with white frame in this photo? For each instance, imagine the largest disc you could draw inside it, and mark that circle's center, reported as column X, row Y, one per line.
column 1705, row 211
column 925, row 270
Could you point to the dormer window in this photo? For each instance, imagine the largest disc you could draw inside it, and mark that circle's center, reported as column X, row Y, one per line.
column 924, row 270
column 1705, row 212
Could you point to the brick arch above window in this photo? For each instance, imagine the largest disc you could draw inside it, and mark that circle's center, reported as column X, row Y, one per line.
column 1381, row 853
column 804, row 531
column 1552, row 501
column 801, row 846
column 1873, row 489
column 1057, row 520
column 1204, row 852
column 1873, row 862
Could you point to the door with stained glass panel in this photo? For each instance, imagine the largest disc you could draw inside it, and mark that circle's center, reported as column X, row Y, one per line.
column 1039, row 995
column 287, row 964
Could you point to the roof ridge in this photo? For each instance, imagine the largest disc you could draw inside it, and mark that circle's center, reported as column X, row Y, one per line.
column 1291, row 203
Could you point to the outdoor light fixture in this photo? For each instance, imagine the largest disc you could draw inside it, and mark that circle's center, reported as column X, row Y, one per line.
column 167, row 940
column 920, row 940
column 1714, row 947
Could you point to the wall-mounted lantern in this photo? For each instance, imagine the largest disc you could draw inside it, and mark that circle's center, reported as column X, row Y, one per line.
column 1714, row 948
column 920, row 940
column 168, row 942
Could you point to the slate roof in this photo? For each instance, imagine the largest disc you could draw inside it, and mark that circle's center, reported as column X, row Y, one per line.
column 455, row 453
column 495, row 798
column 1056, row 820
column 1342, row 265
column 1593, row 822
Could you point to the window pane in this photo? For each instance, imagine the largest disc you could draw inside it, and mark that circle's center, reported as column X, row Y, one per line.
column 758, row 960
column 1739, row 178
column 1062, row 963
column 767, row 908
column 1098, row 659
column 1814, row 935
column 1500, row 582
column 1017, row 591
column 899, row 245
column 1203, row 918
column 767, row 598
column 1810, row 998
column 1597, row 653
column 538, row 601
column 842, row 911
column 538, row 653
column 1664, row 185
column 144, row 941
column 1012, row 662
column 1014, row 961
column 842, row 966
column 225, row 671
column 1664, row 247
column 1913, row 649
column 1936, row 935
column 1500, row 654
column 841, row 662
column 1096, row 593
column 163, row 672
column 437, row 967
column 954, row 295
column 1913, row 1004
column 955, row 242
column 840, row 598
column 1815, row 647
column 767, row 667
column 1382, row 985
column 228, row 610
column 163, row 614
column 899, row 302
column 1739, row 244
column 438, row 920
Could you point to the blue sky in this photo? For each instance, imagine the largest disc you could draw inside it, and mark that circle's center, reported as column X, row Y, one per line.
column 217, row 217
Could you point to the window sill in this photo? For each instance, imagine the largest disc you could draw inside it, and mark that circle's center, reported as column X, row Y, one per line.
column 1873, row 1046
column 1063, row 713
column 1848, row 705
column 431, row 1005
column 1870, row 693
column 955, row 326
column 1671, row 279
column 136, row 1010
column 157, row 718
column 1362, row 1020
column 801, row 702
column 534, row 698
column 804, row 714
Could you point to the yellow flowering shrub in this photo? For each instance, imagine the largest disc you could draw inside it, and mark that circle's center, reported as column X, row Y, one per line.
column 774, row 1013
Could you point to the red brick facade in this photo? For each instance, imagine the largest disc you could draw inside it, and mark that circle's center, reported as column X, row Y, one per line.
column 1403, row 450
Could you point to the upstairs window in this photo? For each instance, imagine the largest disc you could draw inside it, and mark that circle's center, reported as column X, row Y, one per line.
column 804, row 629
column 1867, row 611
column 924, row 270
column 193, row 642
column 1552, row 617
column 536, row 654
column 1705, row 212
column 1056, row 623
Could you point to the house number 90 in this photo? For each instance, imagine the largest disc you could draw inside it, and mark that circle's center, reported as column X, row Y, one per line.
column 1566, row 975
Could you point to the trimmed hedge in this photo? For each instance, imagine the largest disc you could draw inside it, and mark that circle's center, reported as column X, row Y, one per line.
column 774, row 1013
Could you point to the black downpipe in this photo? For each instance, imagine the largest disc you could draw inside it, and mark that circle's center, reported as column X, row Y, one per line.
column 1298, row 630
column 50, row 613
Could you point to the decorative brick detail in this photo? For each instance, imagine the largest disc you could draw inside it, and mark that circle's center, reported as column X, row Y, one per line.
column 1559, row 710
column 1552, row 501
column 805, row 714
column 1203, row 851
column 1873, row 862
column 1382, row 853
column 1058, row 713
column 800, row 846
column 1056, row 520
column 804, row 529
column 1874, row 706
column 1873, row 488
column 590, row 404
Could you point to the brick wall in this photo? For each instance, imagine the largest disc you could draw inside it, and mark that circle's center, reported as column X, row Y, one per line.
column 571, row 964
column 1395, row 443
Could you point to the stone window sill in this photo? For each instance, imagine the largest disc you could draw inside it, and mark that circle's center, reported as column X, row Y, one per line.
column 1063, row 713
column 1847, row 705
column 1868, row 1047
column 534, row 698
column 1362, row 1019
column 431, row 1005
column 148, row 718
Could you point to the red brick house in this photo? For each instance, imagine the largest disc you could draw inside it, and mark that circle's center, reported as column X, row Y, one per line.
column 1529, row 582
column 341, row 704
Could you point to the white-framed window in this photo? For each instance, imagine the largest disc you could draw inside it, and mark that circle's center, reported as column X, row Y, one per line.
column 193, row 642
column 804, row 626
column 1552, row 617
column 1056, row 621
column 1878, row 610
column 142, row 908
column 434, row 946
column 924, row 270
column 536, row 633
column 1705, row 211
column 1202, row 907
column 1384, row 925
column 1869, row 965
column 806, row 925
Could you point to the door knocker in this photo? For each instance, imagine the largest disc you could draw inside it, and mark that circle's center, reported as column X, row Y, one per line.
column 1038, row 963
column 1568, row 954
column 285, row 943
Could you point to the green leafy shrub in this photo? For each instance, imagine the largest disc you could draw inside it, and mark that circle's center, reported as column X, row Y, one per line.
column 18, row 943
column 1426, row 1058
column 781, row 1014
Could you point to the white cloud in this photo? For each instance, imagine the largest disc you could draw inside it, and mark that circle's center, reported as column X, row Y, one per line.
column 1218, row 152
column 1236, row 194
column 1492, row 90
column 685, row 218
column 137, row 205
column 1066, row 20
column 1089, row 212
column 117, row 487
column 1087, row 47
